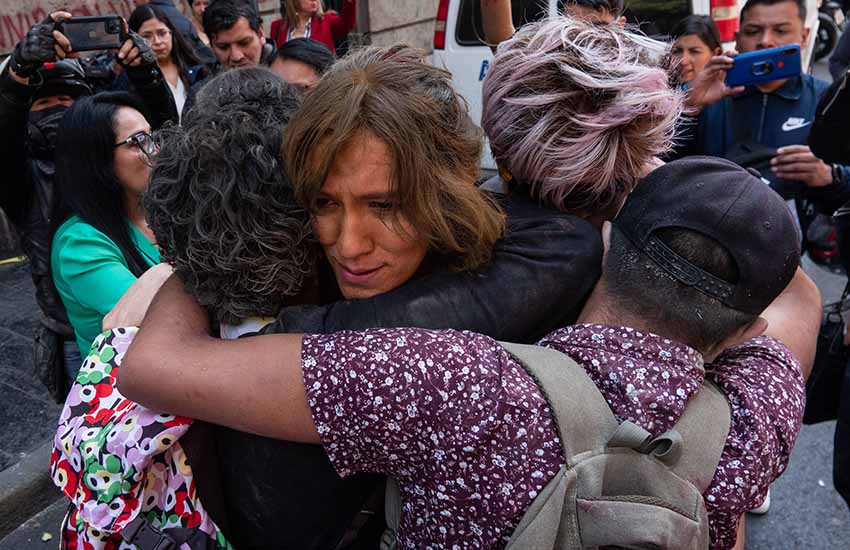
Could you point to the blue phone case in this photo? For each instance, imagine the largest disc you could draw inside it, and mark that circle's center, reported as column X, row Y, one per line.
column 765, row 66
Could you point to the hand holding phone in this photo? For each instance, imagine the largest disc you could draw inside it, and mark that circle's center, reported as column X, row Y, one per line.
column 709, row 86
column 102, row 32
column 765, row 66
column 41, row 44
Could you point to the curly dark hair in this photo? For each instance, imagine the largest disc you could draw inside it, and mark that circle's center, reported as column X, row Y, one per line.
column 220, row 204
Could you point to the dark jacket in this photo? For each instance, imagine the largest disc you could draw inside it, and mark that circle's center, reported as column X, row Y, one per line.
column 829, row 138
column 839, row 61
column 29, row 196
column 776, row 119
column 541, row 273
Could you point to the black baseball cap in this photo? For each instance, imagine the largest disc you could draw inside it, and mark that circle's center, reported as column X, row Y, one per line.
column 729, row 204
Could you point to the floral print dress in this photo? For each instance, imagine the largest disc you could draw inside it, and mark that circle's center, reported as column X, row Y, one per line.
column 116, row 460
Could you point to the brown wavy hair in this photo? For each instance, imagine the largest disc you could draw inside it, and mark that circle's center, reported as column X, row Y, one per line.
column 436, row 148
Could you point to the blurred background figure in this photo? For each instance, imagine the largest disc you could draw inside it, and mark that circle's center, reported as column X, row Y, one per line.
column 181, row 24
column 696, row 40
column 308, row 19
column 197, row 8
column 174, row 54
column 301, row 62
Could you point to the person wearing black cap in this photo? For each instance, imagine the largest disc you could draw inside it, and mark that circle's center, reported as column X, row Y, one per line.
column 302, row 61
column 700, row 282
column 38, row 83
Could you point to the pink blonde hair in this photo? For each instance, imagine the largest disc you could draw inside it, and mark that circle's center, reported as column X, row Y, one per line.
column 577, row 110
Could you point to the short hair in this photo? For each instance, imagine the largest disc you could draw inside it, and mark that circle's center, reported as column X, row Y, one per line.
column 310, row 52
column 614, row 7
column 220, row 204
column 702, row 26
column 801, row 7
column 436, row 148
column 221, row 15
column 574, row 111
column 642, row 289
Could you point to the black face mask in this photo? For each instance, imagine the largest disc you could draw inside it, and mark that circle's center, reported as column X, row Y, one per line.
column 41, row 131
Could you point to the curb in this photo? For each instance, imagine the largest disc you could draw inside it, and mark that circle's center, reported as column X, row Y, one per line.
column 31, row 534
column 26, row 488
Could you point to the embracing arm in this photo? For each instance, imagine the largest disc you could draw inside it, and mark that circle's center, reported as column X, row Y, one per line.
column 252, row 385
column 497, row 21
column 794, row 319
column 537, row 281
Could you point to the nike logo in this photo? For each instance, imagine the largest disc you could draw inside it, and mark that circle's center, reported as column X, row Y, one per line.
column 794, row 123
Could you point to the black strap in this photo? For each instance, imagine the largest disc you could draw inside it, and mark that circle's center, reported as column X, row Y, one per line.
column 145, row 536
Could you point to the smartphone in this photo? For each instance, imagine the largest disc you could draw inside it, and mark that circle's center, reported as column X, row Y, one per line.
column 765, row 66
column 101, row 32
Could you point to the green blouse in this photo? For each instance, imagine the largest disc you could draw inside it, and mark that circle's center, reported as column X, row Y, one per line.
column 91, row 274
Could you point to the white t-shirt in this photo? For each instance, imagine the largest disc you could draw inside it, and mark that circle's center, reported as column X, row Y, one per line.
column 253, row 324
column 179, row 93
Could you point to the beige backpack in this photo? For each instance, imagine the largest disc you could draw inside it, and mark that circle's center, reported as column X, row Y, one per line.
column 619, row 488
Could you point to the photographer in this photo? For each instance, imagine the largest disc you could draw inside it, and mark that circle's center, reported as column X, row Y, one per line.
column 38, row 83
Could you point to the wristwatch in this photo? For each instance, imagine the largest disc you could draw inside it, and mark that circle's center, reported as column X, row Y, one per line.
column 837, row 174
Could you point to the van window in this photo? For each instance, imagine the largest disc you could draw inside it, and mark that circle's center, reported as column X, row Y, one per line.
column 656, row 17
column 470, row 32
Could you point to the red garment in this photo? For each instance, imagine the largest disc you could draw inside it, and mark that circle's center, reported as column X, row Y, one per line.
column 333, row 26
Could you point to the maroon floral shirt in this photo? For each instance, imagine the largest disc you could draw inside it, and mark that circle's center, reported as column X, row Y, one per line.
column 648, row 379
column 471, row 440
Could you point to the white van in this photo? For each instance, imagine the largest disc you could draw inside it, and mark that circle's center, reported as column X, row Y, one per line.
column 458, row 34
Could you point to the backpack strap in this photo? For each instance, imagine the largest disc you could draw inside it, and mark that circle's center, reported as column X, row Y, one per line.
column 584, row 419
column 692, row 448
column 704, row 428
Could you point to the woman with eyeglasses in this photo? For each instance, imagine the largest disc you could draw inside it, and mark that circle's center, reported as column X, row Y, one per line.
column 103, row 161
column 176, row 57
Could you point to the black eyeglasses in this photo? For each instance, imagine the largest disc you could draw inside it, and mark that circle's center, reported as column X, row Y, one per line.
column 143, row 140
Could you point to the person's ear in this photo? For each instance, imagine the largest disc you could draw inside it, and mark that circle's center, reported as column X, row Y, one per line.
column 805, row 36
column 621, row 22
column 738, row 337
column 717, row 51
column 262, row 34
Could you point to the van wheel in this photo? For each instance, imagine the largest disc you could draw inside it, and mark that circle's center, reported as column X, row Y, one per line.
column 827, row 36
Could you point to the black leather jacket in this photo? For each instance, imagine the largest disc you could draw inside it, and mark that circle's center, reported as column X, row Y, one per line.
column 540, row 276
column 27, row 191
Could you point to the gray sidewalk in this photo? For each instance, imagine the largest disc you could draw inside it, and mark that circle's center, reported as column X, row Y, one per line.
column 27, row 413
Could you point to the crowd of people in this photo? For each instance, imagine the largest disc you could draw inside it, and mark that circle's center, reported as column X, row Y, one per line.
column 288, row 312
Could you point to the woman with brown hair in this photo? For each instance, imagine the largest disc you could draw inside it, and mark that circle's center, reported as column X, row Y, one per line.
column 308, row 19
column 386, row 162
